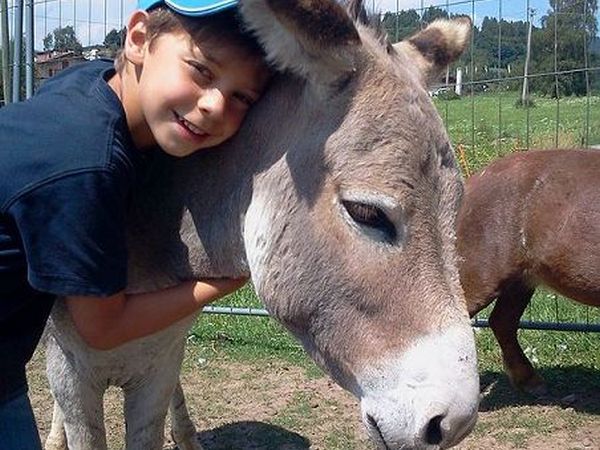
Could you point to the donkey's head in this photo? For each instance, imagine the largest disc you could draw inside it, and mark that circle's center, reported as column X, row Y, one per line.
column 350, row 228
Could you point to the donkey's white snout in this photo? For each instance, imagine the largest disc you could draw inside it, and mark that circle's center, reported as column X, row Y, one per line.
column 426, row 399
column 392, row 428
column 447, row 426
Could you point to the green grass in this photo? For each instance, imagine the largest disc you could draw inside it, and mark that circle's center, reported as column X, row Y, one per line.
column 244, row 337
column 574, row 354
column 489, row 125
column 547, row 306
column 342, row 438
column 297, row 413
column 557, row 349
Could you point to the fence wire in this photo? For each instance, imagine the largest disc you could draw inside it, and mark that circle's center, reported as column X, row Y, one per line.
column 544, row 56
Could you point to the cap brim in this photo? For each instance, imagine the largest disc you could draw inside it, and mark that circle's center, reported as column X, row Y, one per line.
column 193, row 8
column 197, row 8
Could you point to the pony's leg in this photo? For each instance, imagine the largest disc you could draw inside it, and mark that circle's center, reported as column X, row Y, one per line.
column 504, row 321
column 183, row 429
column 57, row 438
column 79, row 400
column 146, row 405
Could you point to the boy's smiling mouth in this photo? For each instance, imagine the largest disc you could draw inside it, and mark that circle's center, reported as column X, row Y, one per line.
column 193, row 129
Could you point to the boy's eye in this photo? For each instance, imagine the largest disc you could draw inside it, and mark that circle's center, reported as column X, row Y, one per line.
column 244, row 99
column 201, row 69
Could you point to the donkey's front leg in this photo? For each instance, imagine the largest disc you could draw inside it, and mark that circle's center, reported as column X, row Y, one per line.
column 183, row 429
column 57, row 439
column 79, row 401
column 146, row 405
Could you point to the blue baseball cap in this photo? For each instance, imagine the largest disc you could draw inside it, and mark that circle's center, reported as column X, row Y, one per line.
column 193, row 8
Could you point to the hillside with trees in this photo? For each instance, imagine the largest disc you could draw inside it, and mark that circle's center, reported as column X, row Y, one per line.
column 563, row 45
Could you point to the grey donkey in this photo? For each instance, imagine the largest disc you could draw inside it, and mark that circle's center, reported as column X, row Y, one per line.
column 339, row 197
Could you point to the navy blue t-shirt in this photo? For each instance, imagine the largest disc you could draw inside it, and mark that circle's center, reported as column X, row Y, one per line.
column 67, row 166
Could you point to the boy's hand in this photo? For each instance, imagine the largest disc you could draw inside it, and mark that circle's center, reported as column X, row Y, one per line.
column 210, row 289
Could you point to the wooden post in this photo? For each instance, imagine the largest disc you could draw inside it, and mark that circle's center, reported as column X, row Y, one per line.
column 525, row 93
column 458, row 87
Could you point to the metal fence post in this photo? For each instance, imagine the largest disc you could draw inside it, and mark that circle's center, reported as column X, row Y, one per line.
column 29, row 44
column 18, row 40
column 5, row 47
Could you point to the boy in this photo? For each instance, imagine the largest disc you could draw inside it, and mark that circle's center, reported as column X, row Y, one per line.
column 68, row 158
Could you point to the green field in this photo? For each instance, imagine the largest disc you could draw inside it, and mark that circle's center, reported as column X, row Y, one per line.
column 490, row 125
column 257, row 337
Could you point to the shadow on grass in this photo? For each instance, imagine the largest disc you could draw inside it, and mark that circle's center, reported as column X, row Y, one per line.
column 252, row 436
column 574, row 387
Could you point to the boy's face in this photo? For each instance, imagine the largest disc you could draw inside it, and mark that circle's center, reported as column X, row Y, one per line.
column 194, row 96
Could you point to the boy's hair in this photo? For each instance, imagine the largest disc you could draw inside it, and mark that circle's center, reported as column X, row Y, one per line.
column 224, row 27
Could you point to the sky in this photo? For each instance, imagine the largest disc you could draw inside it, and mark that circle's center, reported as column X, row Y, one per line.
column 510, row 10
column 93, row 19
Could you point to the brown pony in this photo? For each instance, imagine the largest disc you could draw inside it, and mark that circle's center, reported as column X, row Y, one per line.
column 530, row 219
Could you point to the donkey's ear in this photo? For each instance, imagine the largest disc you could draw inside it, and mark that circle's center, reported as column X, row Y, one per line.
column 437, row 46
column 312, row 38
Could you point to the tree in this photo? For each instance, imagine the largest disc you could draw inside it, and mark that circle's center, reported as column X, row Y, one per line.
column 2, row 97
column 513, row 37
column 114, row 39
column 569, row 28
column 48, row 42
column 432, row 13
column 499, row 46
column 401, row 25
column 63, row 40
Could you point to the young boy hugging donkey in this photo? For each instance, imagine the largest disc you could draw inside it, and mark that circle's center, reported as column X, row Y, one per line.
column 69, row 158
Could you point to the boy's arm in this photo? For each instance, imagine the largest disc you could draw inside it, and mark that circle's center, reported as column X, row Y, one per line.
column 73, row 234
column 107, row 322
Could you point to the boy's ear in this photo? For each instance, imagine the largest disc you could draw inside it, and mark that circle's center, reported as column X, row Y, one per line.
column 137, row 34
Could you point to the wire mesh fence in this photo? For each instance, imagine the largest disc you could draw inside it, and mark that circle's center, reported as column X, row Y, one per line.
column 531, row 79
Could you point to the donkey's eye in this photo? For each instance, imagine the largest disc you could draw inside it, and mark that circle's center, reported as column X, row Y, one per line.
column 447, row 157
column 342, row 82
column 372, row 217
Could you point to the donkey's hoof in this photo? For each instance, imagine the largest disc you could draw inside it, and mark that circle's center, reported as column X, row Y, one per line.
column 55, row 443
column 190, row 444
column 187, row 443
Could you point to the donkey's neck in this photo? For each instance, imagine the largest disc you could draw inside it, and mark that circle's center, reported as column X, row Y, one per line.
column 187, row 220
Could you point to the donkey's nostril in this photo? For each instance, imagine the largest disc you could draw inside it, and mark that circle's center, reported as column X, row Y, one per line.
column 373, row 424
column 433, row 433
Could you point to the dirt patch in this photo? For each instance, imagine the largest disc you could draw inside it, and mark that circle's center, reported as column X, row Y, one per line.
column 273, row 405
